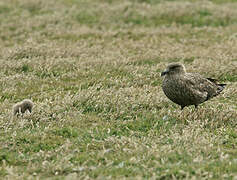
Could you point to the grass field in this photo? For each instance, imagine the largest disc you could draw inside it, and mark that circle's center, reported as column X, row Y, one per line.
column 92, row 68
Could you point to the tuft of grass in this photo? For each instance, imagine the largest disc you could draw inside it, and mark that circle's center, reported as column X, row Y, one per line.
column 66, row 132
column 92, row 69
column 189, row 60
column 149, row 62
column 86, row 18
column 229, row 78
column 4, row 9
column 25, row 68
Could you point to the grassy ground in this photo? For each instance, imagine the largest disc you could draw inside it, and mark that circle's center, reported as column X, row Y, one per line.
column 92, row 67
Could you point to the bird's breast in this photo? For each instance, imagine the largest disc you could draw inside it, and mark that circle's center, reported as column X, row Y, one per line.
column 174, row 89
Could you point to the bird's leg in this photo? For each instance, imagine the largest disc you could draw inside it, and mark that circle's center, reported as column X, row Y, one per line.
column 182, row 115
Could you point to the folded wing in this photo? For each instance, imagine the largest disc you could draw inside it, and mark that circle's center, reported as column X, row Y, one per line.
column 205, row 86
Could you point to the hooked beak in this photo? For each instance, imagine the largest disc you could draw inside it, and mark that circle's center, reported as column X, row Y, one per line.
column 164, row 72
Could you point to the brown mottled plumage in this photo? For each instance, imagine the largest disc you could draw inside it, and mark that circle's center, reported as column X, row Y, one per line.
column 22, row 107
column 187, row 89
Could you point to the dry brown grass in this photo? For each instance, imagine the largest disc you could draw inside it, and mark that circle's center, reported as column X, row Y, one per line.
column 92, row 68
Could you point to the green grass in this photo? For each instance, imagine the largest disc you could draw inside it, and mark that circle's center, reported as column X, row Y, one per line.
column 92, row 68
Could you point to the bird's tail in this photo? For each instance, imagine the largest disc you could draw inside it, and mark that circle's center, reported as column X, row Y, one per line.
column 220, row 87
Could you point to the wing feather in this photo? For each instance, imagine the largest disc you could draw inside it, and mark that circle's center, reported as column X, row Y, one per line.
column 203, row 85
